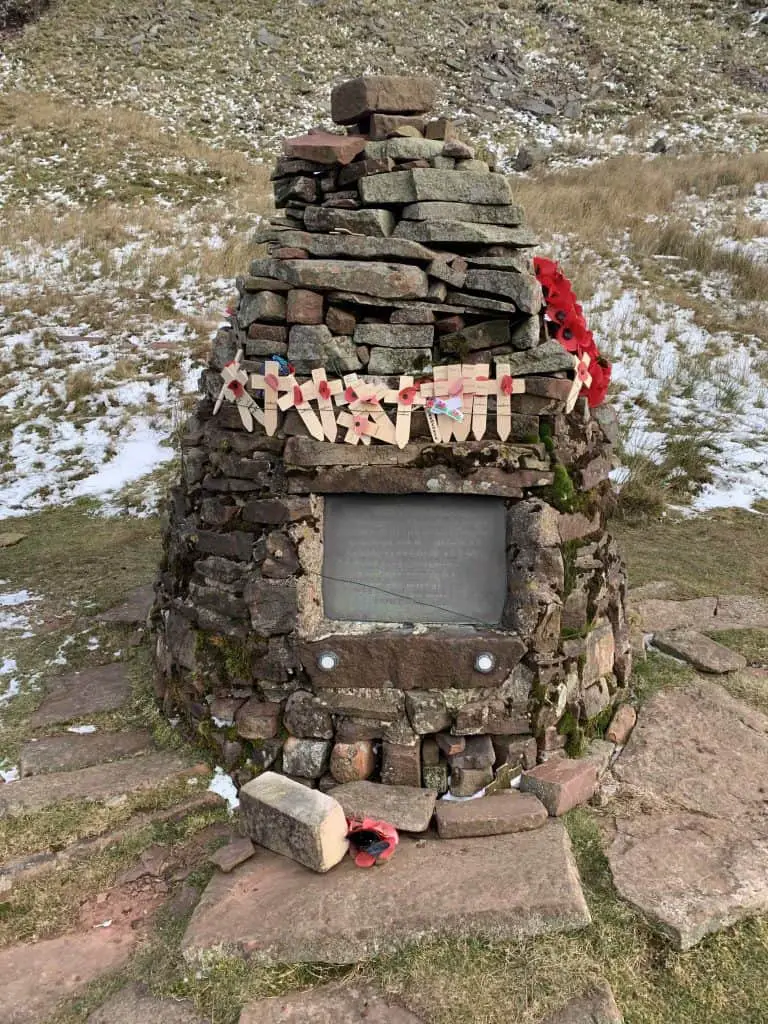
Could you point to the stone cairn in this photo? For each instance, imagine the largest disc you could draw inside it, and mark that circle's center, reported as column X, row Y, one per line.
column 397, row 253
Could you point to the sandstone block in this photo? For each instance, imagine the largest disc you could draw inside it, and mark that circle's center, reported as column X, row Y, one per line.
column 340, row 321
column 427, row 184
column 386, row 94
column 596, row 699
column 450, row 745
column 227, row 858
column 304, row 307
column 307, row 718
column 478, row 752
column 698, row 650
column 408, row 808
column 288, row 818
column 515, row 750
column 597, row 1006
column 324, row 147
column 401, row 764
column 561, row 784
column 599, row 652
column 272, row 606
column 407, row 148
column 363, row 222
column 427, row 711
column 492, row 717
column 257, row 720
column 430, row 752
column 395, row 335
column 435, row 777
column 622, row 724
column 352, row 762
column 495, row 815
column 331, row 1004
column 468, row 781
column 383, row 125
column 306, row 758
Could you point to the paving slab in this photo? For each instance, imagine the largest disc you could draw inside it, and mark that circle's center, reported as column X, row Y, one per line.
column 79, row 694
column 493, row 888
column 331, row 1004
column 134, row 1005
column 597, row 1006
column 69, row 751
column 508, row 811
column 133, row 610
column 408, row 808
column 99, row 782
column 34, row 977
column 693, row 857
column 691, row 875
column 731, row 611
column 698, row 650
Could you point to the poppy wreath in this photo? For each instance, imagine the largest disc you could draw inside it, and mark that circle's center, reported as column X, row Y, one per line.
column 567, row 324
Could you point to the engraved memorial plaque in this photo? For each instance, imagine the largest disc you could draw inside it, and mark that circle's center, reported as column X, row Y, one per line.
column 415, row 558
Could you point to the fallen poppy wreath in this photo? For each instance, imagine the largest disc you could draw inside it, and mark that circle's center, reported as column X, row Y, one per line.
column 566, row 323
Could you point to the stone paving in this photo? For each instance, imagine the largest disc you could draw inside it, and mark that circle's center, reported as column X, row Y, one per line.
column 690, row 851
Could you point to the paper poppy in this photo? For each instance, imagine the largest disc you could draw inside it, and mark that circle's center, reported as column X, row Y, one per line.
column 236, row 388
column 600, row 371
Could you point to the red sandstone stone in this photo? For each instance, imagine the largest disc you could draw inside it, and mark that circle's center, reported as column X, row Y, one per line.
column 509, row 811
column 561, row 784
column 304, row 307
column 268, row 332
column 450, row 745
column 290, row 252
column 352, row 762
column 325, row 147
column 257, row 720
column 622, row 724
column 401, row 765
column 340, row 321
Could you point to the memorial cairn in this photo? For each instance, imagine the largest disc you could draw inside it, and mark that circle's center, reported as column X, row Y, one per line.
column 386, row 560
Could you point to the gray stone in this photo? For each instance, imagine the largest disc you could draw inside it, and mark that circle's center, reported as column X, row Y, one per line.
column 135, row 1005
column 515, row 260
column 97, row 783
column 432, row 185
column 515, row 750
column 412, row 316
column 462, row 232
column 408, row 808
column 69, row 751
column 306, row 347
column 404, row 149
column 480, row 303
column 600, row 752
column 304, row 824
column 361, row 222
column 381, row 280
column 306, row 758
column 435, row 777
column 526, row 334
column 395, row 335
column 84, row 693
column 427, row 711
column 599, row 651
column 495, row 815
column 305, row 716
column 510, row 214
column 698, row 650
column 331, row 1004
column 272, row 606
column 268, row 307
column 522, row 289
column 386, row 361
column 472, row 167
column 478, row 752
column 381, row 94
column 258, row 719
column 513, row 885
column 547, row 358
column 358, row 247
column 383, row 125
column 490, row 334
column 340, row 355
column 659, row 614
column 468, row 781
column 596, row 699
column 443, row 272
column 133, row 610
column 597, row 1006
column 228, row 857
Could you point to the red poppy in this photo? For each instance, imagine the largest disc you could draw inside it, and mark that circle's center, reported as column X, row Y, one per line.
column 298, row 397
column 506, row 384
column 236, row 388
column 600, row 371
column 407, row 395
column 560, row 297
column 572, row 334
column 324, row 390
column 272, row 382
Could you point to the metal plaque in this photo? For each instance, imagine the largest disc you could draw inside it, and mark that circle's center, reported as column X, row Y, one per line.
column 416, row 558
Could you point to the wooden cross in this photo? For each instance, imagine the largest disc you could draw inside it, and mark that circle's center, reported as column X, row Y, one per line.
column 298, row 397
column 483, row 387
column 582, row 379
column 233, row 389
column 325, row 390
column 271, row 384
column 506, row 386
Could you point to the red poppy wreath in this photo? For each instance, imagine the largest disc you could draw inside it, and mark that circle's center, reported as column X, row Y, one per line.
column 566, row 323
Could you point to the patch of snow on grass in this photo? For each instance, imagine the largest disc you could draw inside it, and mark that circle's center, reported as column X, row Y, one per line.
column 224, row 786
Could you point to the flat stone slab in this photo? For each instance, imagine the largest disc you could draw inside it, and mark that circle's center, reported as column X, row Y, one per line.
column 79, row 694
column 697, row 861
column 494, row 888
column 698, row 650
column 34, row 977
column 732, row 611
column 509, row 811
column 134, row 610
column 594, row 1007
column 69, row 751
column 408, row 808
column 699, row 749
column 690, row 874
column 331, row 1004
column 134, row 1005
column 100, row 782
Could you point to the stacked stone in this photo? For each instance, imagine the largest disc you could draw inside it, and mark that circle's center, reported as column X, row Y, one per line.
column 395, row 249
